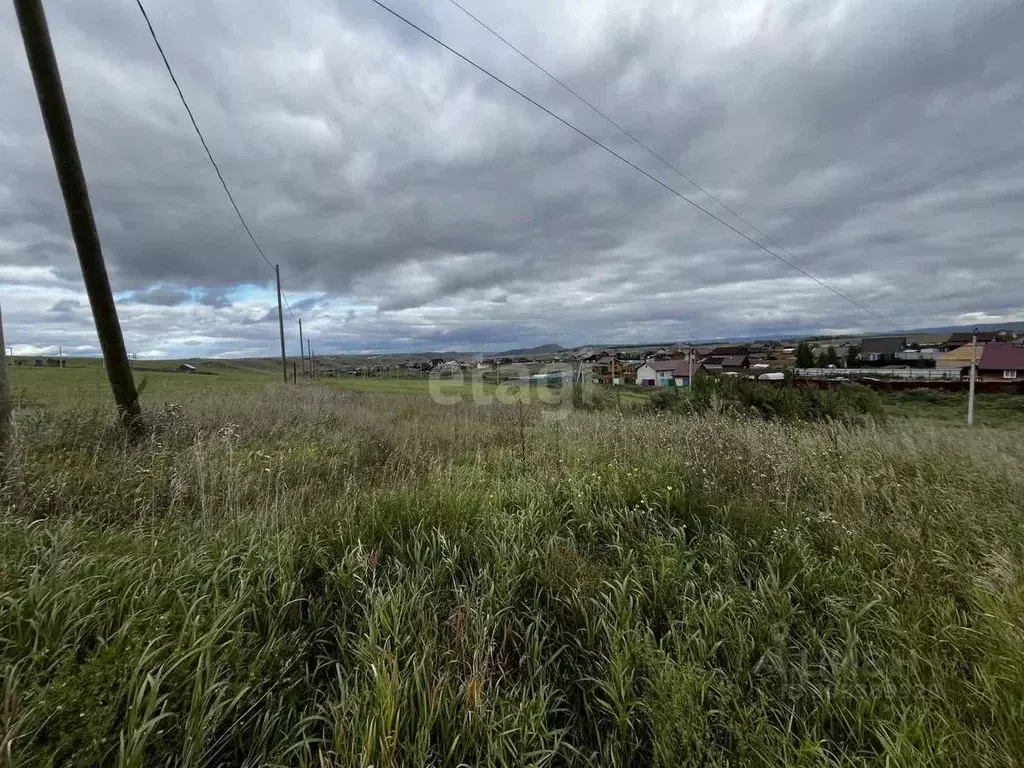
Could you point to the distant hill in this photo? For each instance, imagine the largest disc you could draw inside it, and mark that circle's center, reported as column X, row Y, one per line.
column 543, row 349
column 1014, row 326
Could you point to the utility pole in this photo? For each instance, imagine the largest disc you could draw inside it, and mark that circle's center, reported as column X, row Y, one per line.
column 309, row 356
column 6, row 406
column 280, row 322
column 302, row 350
column 970, row 391
column 689, row 378
column 41, row 60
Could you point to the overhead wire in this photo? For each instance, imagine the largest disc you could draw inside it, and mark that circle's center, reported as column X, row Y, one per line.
column 635, row 139
column 287, row 304
column 202, row 140
column 625, row 160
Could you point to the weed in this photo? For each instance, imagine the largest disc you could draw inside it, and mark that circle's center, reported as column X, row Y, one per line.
column 308, row 576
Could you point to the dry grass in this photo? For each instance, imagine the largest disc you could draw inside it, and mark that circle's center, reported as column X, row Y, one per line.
column 315, row 577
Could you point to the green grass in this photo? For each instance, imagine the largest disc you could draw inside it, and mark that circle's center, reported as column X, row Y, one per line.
column 85, row 383
column 409, row 386
column 951, row 408
column 316, row 576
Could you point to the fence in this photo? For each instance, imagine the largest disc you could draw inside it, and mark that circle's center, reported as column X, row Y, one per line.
column 946, row 374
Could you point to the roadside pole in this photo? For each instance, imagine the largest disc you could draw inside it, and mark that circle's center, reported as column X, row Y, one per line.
column 970, row 390
column 689, row 378
column 302, row 351
column 43, row 63
column 280, row 323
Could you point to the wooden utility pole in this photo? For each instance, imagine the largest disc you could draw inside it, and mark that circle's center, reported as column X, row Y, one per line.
column 302, row 350
column 280, row 323
column 309, row 356
column 41, row 60
column 6, row 406
column 974, row 365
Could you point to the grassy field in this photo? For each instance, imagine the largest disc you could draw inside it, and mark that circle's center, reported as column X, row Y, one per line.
column 85, row 383
column 326, row 577
column 951, row 408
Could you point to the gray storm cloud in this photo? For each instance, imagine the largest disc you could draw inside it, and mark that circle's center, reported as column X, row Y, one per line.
column 411, row 201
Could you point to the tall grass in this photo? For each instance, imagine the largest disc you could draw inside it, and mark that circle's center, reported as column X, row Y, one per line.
column 335, row 579
column 850, row 403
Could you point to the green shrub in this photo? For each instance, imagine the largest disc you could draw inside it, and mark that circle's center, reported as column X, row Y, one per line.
column 848, row 403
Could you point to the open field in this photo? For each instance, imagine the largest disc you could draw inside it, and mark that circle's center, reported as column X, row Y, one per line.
column 314, row 576
column 1003, row 411
column 84, row 383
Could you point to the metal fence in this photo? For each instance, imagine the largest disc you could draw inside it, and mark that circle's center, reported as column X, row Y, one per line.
column 948, row 374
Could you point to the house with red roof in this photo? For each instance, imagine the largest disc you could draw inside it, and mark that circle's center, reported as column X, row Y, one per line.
column 1002, row 362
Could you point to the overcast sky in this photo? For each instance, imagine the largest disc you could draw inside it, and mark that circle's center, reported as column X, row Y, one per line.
column 414, row 204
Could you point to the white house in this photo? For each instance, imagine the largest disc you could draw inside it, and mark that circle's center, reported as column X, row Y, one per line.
column 663, row 373
column 646, row 376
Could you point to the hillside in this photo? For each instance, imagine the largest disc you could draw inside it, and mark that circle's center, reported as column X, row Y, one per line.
column 543, row 349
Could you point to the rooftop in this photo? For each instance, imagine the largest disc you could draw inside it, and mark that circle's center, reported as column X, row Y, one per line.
column 665, row 365
column 1002, row 357
column 882, row 345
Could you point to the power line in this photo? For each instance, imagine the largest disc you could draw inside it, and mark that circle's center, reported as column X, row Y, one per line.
column 202, row 139
column 628, row 162
column 287, row 303
column 637, row 140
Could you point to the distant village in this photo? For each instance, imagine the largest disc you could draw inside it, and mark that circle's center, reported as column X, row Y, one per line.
column 922, row 356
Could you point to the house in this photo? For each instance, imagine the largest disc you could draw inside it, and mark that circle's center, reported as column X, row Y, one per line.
column 682, row 372
column 928, row 339
column 734, row 351
column 924, row 353
column 610, row 370
column 446, row 366
column 725, row 364
column 186, row 368
column 665, row 353
column 965, row 338
column 646, row 376
column 881, row 349
column 957, row 340
column 659, row 373
column 1002, row 362
column 958, row 359
column 623, row 372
